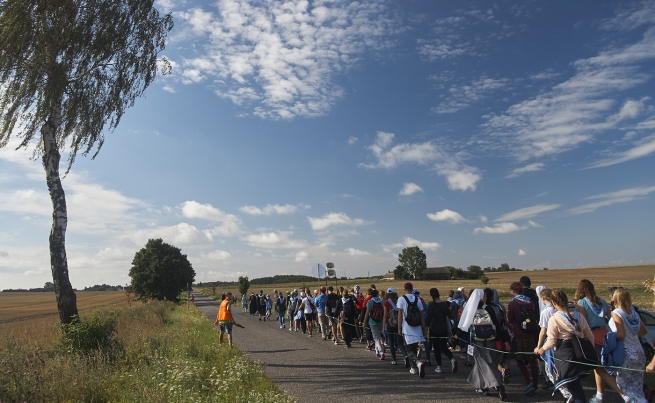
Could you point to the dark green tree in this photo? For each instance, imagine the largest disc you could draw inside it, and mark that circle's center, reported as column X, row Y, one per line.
column 49, row 286
column 68, row 68
column 400, row 273
column 160, row 271
column 475, row 272
column 413, row 260
column 244, row 285
column 503, row 267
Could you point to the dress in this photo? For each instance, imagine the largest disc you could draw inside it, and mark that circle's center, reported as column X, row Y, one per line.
column 631, row 382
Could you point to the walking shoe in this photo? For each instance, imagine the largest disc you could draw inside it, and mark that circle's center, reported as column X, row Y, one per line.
column 310, row 335
column 467, row 364
column 484, row 392
column 437, row 370
column 413, row 371
column 595, row 399
column 368, row 348
column 291, row 329
column 393, row 363
column 501, row 393
column 505, row 376
column 406, row 362
column 382, row 357
column 421, row 369
column 281, row 327
column 536, row 393
column 429, row 363
column 296, row 329
column 348, row 346
column 335, row 342
column 453, row 362
column 529, row 388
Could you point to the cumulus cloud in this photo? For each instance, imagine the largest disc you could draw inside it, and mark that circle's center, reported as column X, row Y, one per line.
column 216, row 255
column 332, row 219
column 409, row 242
column 447, row 215
column 459, row 175
column 528, row 168
column 499, row 228
column 280, row 57
column 182, row 234
column 527, row 212
column 522, row 252
column 300, row 256
column 273, row 209
column 607, row 199
column 483, row 218
column 274, row 240
column 230, row 224
column 356, row 252
column 409, row 189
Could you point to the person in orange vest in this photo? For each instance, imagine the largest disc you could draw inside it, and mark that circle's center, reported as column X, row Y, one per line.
column 224, row 319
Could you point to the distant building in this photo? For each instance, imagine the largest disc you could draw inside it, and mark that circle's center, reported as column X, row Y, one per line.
column 435, row 273
column 388, row 276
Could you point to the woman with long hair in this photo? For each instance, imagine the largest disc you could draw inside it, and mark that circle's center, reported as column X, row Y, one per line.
column 440, row 327
column 628, row 326
column 596, row 312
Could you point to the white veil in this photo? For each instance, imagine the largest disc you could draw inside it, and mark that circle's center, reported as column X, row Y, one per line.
column 541, row 303
column 470, row 308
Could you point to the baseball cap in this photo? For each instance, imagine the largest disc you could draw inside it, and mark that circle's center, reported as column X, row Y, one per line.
column 391, row 289
column 408, row 286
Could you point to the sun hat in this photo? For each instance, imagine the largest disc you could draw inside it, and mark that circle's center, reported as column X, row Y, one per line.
column 391, row 289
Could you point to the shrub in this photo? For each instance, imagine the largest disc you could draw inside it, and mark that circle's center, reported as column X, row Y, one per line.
column 484, row 279
column 86, row 336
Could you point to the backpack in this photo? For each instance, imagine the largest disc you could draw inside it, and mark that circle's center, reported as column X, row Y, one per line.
column 438, row 325
column 377, row 311
column 393, row 314
column 349, row 309
column 530, row 321
column 483, row 327
column 414, row 315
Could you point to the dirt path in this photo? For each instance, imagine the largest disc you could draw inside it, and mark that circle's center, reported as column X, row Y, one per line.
column 309, row 367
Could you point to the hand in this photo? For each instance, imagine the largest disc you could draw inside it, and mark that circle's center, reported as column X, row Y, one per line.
column 650, row 368
column 508, row 346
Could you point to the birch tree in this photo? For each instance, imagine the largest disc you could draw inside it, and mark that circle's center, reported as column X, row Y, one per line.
column 69, row 69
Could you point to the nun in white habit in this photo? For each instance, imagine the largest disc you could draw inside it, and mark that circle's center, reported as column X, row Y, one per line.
column 485, row 373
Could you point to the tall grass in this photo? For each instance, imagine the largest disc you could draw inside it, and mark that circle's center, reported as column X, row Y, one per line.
column 164, row 354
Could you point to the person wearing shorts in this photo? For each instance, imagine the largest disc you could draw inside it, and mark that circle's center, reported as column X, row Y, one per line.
column 225, row 320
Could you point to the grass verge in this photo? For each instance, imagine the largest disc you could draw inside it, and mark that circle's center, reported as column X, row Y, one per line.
column 164, row 354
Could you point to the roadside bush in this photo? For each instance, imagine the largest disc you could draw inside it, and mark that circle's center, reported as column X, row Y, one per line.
column 94, row 334
column 484, row 279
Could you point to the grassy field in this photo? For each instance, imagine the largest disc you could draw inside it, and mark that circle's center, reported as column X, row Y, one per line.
column 630, row 277
column 163, row 353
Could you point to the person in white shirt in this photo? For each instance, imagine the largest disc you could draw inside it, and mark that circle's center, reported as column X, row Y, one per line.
column 308, row 308
column 412, row 334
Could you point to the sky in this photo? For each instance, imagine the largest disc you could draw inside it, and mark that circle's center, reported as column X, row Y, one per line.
column 292, row 133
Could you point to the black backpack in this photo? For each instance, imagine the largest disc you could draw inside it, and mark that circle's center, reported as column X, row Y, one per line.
column 439, row 324
column 529, row 320
column 349, row 309
column 414, row 314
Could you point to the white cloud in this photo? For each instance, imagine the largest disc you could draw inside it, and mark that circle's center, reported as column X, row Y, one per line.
column 282, row 56
column 499, row 228
column 644, row 147
column 409, row 242
column 274, row 240
column 528, row 168
column 447, row 215
column 356, row 252
column 463, row 96
column 273, row 209
column 216, row 255
column 459, row 175
column 182, row 234
column 409, row 189
column 331, row 219
column 483, row 218
column 168, row 88
column 352, row 140
column 301, row 256
column 534, row 224
column 522, row 252
column 230, row 224
column 527, row 212
column 607, row 199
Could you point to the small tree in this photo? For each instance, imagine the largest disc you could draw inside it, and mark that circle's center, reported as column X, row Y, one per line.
column 160, row 271
column 400, row 273
column 413, row 260
column 475, row 272
column 244, row 285
column 67, row 68
column 503, row 267
column 484, row 279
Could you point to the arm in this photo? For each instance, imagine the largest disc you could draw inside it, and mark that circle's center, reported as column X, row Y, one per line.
column 366, row 315
column 580, row 309
column 650, row 368
column 386, row 316
column 620, row 326
column 423, row 323
column 400, row 322
column 542, row 336
column 552, row 332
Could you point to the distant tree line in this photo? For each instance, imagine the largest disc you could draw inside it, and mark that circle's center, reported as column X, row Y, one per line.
column 48, row 287
column 104, row 287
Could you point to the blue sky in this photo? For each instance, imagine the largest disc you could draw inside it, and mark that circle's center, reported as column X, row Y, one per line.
column 294, row 132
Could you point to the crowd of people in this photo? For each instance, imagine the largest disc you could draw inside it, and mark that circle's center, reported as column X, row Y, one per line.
column 539, row 330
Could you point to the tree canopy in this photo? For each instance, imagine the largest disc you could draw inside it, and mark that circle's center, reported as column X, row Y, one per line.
column 160, row 271
column 413, row 260
column 244, row 285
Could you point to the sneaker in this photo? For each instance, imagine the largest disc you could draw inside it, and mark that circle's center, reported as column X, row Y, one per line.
column 406, row 362
column 421, row 369
column 595, row 399
column 394, row 363
column 382, row 357
column 501, row 393
column 505, row 376
column 348, row 346
column 310, row 335
column 368, row 348
column 429, row 363
column 529, row 389
column 437, row 370
column 454, row 364
column 413, row 371
column 296, row 329
column 281, row 327
column 291, row 329
column 536, row 393
column 335, row 342
column 467, row 364
column 484, row 392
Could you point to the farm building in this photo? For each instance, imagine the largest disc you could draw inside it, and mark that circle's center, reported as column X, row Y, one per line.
column 435, row 273
column 388, row 276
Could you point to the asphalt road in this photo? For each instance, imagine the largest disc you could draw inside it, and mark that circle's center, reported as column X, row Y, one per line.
column 309, row 367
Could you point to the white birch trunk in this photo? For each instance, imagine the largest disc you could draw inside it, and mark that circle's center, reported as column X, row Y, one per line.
column 66, row 299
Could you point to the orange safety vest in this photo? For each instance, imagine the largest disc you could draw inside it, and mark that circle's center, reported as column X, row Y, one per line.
column 224, row 314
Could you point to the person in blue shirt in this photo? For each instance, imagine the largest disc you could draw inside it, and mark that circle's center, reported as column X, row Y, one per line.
column 323, row 322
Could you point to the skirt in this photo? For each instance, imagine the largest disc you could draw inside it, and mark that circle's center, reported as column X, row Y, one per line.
column 565, row 371
column 485, row 372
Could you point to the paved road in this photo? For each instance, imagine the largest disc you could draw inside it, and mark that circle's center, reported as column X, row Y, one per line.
column 308, row 367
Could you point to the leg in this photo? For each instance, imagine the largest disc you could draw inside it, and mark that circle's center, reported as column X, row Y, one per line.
column 391, row 338
column 220, row 338
column 436, row 344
